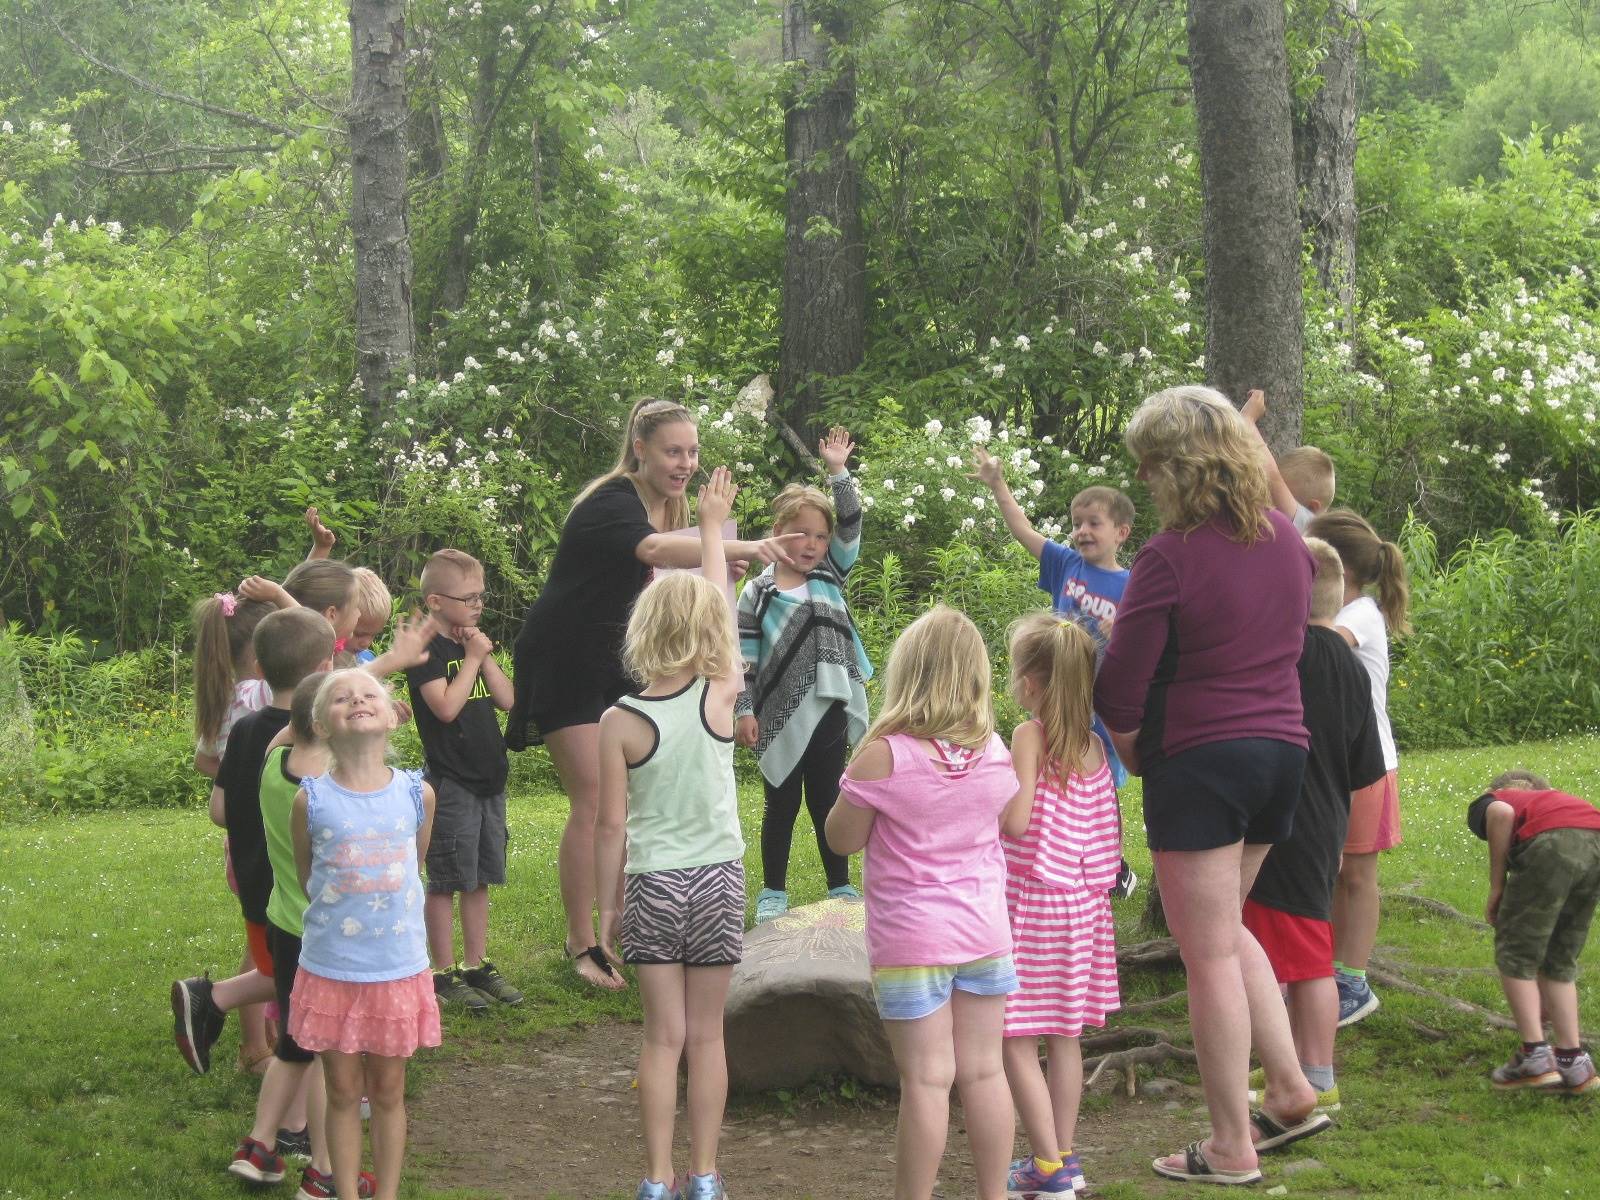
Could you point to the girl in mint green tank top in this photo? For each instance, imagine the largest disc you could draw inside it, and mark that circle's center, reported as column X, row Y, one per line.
column 668, row 844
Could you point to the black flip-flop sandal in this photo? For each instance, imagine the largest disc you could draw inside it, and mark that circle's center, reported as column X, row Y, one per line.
column 1275, row 1135
column 1197, row 1170
column 595, row 955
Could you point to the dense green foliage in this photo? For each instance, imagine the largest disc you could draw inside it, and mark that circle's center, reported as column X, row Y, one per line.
column 597, row 211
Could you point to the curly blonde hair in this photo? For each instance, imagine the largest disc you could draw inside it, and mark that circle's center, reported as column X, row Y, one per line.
column 936, row 683
column 680, row 622
column 1199, row 461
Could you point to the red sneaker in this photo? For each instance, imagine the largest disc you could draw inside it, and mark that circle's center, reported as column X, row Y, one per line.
column 314, row 1185
column 255, row 1162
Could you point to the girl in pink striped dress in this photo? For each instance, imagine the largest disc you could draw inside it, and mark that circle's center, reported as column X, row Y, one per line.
column 1063, row 845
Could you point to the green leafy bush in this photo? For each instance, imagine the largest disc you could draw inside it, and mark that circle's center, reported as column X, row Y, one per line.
column 1504, row 648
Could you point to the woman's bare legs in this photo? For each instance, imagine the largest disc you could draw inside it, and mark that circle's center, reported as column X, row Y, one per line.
column 575, row 751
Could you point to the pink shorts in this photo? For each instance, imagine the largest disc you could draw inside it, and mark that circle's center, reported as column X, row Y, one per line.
column 1374, row 817
column 391, row 1019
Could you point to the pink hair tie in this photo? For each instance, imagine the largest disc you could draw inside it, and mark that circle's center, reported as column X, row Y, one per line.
column 228, row 601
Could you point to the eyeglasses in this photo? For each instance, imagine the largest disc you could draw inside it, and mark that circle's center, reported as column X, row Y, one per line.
column 477, row 598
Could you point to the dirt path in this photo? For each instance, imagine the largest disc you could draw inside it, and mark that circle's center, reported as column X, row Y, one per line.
column 546, row 1125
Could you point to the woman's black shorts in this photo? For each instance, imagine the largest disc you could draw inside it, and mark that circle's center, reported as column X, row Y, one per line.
column 1223, row 792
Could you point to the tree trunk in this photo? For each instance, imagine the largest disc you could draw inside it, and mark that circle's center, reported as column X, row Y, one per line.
column 1240, row 69
column 824, row 270
column 385, row 339
column 1326, row 149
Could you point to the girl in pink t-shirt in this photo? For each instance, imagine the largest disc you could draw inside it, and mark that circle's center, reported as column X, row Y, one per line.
column 923, row 796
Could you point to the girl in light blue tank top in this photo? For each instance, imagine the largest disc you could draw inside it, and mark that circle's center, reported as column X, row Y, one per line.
column 669, row 825
column 363, row 997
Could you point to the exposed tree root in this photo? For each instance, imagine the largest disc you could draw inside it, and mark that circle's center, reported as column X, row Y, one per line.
column 1158, row 952
column 1390, row 978
column 1127, row 1061
column 1437, row 907
column 1144, row 1006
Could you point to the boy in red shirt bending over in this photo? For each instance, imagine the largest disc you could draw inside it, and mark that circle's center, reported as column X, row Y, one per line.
column 1544, row 879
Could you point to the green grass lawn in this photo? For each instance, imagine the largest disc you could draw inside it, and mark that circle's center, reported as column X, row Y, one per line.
column 99, row 913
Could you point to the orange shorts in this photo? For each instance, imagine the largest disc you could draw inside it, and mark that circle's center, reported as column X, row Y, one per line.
column 259, row 953
column 1374, row 817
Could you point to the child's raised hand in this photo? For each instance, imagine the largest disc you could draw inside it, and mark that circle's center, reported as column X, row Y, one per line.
column 322, row 538
column 834, row 450
column 986, row 468
column 716, row 498
column 1255, row 406
column 259, row 587
column 412, row 634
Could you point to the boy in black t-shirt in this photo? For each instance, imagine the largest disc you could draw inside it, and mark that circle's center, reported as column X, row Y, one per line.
column 1289, row 909
column 289, row 645
column 454, row 695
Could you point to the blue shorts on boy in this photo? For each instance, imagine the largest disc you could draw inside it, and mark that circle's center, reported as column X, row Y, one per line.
column 467, row 766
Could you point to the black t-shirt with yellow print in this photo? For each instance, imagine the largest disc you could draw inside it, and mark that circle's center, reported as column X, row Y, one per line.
column 470, row 750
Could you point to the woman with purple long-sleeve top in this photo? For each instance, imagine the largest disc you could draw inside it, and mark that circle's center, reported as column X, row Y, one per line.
column 1200, row 690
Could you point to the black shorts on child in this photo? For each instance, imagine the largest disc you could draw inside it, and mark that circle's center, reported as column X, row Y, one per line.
column 285, row 949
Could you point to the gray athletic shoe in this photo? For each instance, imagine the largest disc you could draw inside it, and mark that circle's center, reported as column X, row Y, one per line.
column 1536, row 1069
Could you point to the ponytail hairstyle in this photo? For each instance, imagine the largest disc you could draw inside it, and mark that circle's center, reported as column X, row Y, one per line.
column 322, row 583
column 936, row 683
column 1368, row 560
column 648, row 415
column 223, row 627
column 1059, row 657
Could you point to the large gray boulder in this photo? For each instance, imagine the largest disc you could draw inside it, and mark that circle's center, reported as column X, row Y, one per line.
column 800, row 1004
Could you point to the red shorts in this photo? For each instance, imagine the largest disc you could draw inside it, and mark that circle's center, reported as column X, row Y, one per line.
column 259, row 953
column 1299, row 948
column 1374, row 817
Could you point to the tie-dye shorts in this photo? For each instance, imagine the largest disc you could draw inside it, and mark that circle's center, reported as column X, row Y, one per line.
column 909, row 993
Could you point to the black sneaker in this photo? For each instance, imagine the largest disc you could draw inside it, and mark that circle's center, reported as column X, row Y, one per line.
column 196, row 1021
column 451, row 988
column 486, row 978
column 295, row 1143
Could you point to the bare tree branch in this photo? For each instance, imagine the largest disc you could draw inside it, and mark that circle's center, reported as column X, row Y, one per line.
column 145, row 85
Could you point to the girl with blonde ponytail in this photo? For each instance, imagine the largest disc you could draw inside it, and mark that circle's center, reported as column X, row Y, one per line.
column 568, row 661
column 1366, row 623
column 1063, row 845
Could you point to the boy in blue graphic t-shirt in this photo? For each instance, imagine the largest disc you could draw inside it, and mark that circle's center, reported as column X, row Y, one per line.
column 1084, row 580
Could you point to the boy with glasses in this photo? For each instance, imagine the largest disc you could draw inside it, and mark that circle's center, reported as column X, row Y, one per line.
column 454, row 695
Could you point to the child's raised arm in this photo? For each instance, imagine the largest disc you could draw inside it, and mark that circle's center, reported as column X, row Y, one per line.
column 845, row 546
column 1255, row 406
column 407, row 648
column 990, row 471
column 322, row 538
column 712, row 509
column 259, row 587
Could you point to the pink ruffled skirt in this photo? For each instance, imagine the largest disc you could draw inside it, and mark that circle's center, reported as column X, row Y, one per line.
column 391, row 1019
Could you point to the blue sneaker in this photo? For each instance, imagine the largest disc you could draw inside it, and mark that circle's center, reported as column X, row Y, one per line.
column 705, row 1187
column 649, row 1189
column 771, row 904
column 1356, row 998
column 845, row 891
column 1027, row 1181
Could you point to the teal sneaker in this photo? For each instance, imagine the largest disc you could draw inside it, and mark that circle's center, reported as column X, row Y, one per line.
column 649, row 1189
column 845, row 891
column 771, row 904
column 705, row 1187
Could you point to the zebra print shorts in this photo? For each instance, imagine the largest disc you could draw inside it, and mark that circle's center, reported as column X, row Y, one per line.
column 691, row 915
